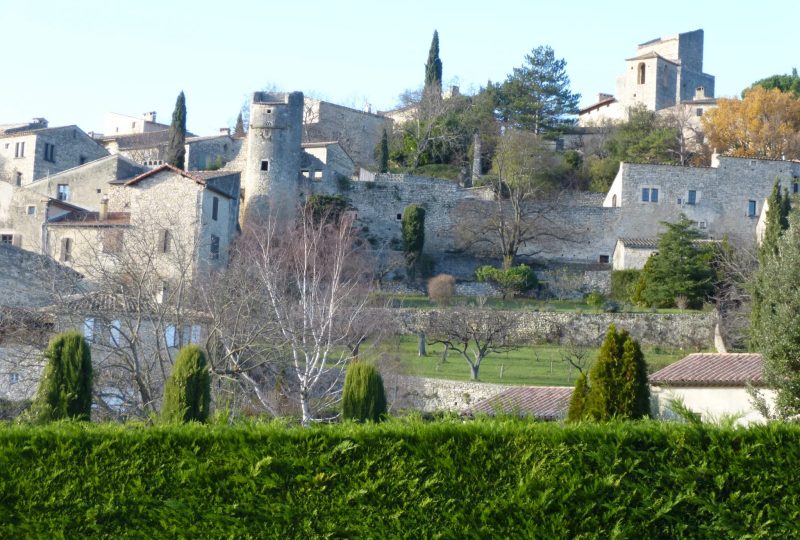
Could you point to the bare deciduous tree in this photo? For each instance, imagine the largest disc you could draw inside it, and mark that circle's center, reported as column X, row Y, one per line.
column 473, row 333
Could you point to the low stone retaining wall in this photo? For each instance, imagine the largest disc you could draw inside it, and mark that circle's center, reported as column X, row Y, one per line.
column 683, row 330
column 429, row 395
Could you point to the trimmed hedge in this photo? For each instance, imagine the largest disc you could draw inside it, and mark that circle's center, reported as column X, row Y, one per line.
column 499, row 479
column 623, row 283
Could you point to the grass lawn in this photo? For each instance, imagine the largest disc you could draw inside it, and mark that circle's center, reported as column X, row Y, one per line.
column 533, row 365
column 529, row 304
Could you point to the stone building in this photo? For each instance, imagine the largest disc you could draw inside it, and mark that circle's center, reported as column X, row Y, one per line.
column 663, row 73
column 31, row 151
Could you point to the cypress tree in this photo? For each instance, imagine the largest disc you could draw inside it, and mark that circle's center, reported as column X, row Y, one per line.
column 413, row 225
column 176, row 151
column 187, row 393
column 363, row 396
column 65, row 390
column 433, row 67
column 384, row 157
column 777, row 221
column 577, row 403
column 238, row 131
column 618, row 380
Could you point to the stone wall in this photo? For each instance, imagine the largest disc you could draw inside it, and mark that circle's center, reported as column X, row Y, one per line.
column 27, row 279
column 430, row 395
column 682, row 330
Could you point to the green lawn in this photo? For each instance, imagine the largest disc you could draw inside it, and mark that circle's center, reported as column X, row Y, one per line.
column 533, row 365
column 529, row 304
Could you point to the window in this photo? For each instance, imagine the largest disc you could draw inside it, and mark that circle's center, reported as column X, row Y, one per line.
column 112, row 241
column 81, row 160
column 191, row 334
column 265, row 165
column 13, row 378
column 614, row 200
column 640, row 73
column 63, row 192
column 30, row 210
column 19, row 179
column 98, row 190
column 699, row 112
column 692, row 197
column 164, row 240
column 88, row 329
column 751, row 208
column 214, row 247
column 19, row 149
column 170, row 336
column 115, row 331
column 50, row 152
column 214, row 208
column 66, row 249
column 7, row 239
column 399, row 217
column 653, row 194
column 163, row 294
column 702, row 225
column 604, row 259
column 795, row 187
column 645, row 195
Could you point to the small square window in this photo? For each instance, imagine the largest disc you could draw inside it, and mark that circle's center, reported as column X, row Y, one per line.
column 30, row 210
column 699, row 112
column 645, row 194
column 6, row 239
column 13, row 378
column 265, row 165
column 399, row 217
column 604, row 259
column 702, row 225
column 99, row 190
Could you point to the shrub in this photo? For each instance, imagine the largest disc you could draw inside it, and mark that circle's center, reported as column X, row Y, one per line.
column 512, row 281
column 681, row 301
column 441, row 289
column 363, row 396
column 595, row 299
column 328, row 208
column 65, row 390
column 623, row 283
column 187, row 393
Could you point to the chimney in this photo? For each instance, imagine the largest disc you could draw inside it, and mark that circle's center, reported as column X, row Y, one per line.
column 103, row 214
column 150, row 116
column 700, row 92
column 602, row 97
column 224, row 131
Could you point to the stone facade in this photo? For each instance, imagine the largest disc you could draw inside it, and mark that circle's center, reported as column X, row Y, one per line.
column 26, row 155
column 432, row 395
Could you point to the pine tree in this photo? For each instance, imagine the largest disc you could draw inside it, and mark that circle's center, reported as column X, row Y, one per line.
column 187, row 393
column 176, row 151
column 363, row 396
column 238, row 131
column 776, row 331
column 65, row 390
column 618, row 380
column 384, row 157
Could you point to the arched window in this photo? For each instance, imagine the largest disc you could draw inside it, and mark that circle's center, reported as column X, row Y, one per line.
column 614, row 200
column 640, row 78
column 665, row 75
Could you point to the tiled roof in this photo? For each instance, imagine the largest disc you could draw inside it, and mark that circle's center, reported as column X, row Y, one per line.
column 597, row 105
column 640, row 243
column 92, row 219
column 651, row 54
column 711, row 369
column 199, row 177
column 34, row 130
column 542, row 402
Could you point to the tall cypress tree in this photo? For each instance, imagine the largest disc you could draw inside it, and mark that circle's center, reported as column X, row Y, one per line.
column 238, row 131
column 776, row 223
column 433, row 67
column 65, row 390
column 413, row 229
column 176, row 151
column 187, row 393
column 384, row 157
column 363, row 395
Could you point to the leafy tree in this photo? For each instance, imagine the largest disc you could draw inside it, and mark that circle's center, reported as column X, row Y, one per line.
column 764, row 124
column 363, row 395
column 512, row 280
column 776, row 331
column 384, row 154
column 325, row 208
column 65, row 390
column 536, row 96
column 413, row 225
column 617, row 382
column 784, row 83
column 238, row 131
column 682, row 267
column 176, row 151
column 187, row 393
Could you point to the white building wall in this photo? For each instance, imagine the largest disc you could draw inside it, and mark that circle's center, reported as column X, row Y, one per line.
column 712, row 403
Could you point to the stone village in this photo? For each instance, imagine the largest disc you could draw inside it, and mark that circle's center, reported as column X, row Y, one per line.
column 73, row 196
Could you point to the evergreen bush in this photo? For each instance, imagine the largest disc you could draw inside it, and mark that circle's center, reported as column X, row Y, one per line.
column 512, row 281
column 187, row 393
column 363, row 396
column 623, row 283
column 65, row 389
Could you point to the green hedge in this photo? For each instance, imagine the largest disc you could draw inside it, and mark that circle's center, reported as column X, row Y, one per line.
column 498, row 479
column 623, row 283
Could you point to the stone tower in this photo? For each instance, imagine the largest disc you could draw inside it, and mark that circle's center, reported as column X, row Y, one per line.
column 274, row 152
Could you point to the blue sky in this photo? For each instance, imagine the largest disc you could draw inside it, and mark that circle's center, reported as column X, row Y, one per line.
column 72, row 60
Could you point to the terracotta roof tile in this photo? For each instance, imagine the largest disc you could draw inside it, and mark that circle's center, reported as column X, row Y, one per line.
column 92, row 219
column 541, row 402
column 712, row 369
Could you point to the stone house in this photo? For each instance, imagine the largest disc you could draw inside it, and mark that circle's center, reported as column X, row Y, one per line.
column 713, row 385
column 31, row 151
